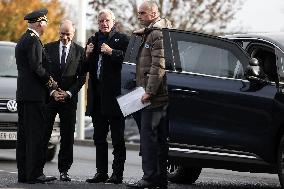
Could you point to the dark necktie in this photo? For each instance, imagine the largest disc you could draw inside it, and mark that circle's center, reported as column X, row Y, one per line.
column 63, row 58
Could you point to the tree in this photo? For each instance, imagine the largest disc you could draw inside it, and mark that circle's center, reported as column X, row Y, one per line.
column 208, row 16
column 12, row 12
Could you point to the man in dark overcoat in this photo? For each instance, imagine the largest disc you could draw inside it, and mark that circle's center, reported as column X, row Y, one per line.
column 104, row 54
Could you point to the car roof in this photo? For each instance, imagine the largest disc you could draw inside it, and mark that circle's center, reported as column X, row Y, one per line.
column 276, row 38
column 7, row 43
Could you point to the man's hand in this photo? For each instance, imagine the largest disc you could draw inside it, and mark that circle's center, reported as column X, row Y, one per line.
column 60, row 95
column 89, row 49
column 145, row 98
column 106, row 49
column 56, row 96
column 54, row 85
column 64, row 94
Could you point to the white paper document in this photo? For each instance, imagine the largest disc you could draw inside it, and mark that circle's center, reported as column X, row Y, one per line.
column 131, row 102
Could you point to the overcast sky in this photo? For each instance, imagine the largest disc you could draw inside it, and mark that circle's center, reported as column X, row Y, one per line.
column 261, row 16
column 255, row 15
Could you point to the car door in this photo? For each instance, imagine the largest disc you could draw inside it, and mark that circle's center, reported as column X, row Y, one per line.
column 128, row 72
column 211, row 102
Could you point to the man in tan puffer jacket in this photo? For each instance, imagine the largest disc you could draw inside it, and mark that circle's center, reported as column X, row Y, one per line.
column 151, row 75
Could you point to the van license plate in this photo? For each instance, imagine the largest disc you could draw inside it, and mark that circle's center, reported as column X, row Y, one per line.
column 8, row 135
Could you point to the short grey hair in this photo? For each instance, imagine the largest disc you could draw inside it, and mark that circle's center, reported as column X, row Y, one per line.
column 106, row 11
column 153, row 6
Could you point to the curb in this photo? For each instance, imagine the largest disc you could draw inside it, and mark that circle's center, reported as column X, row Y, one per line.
column 90, row 143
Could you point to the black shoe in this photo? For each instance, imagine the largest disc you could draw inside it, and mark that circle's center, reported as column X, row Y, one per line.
column 114, row 179
column 42, row 179
column 65, row 177
column 142, row 184
column 99, row 177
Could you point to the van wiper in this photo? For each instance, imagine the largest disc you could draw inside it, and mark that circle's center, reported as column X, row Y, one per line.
column 11, row 76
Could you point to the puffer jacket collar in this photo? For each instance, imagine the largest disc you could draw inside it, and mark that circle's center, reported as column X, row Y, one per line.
column 160, row 23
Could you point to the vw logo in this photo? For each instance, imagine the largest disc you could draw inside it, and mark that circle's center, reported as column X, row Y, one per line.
column 12, row 105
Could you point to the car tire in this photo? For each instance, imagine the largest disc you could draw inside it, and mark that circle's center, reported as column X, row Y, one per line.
column 280, row 162
column 183, row 175
column 51, row 151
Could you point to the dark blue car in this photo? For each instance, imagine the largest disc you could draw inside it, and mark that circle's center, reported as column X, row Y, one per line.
column 226, row 101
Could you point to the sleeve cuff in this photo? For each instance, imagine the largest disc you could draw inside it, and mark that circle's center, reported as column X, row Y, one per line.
column 69, row 93
column 51, row 92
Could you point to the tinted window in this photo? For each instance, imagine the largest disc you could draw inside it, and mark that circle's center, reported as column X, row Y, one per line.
column 280, row 64
column 8, row 65
column 209, row 60
column 132, row 49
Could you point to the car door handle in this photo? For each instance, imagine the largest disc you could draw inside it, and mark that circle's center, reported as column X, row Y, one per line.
column 184, row 91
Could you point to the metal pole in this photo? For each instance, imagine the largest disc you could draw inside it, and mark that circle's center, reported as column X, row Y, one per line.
column 81, row 38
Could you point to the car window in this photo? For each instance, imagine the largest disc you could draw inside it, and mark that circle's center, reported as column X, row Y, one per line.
column 8, row 67
column 132, row 49
column 204, row 54
column 280, row 63
column 209, row 60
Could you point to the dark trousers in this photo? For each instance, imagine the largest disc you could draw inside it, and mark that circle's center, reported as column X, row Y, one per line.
column 102, row 123
column 67, row 115
column 30, row 151
column 154, row 147
column 137, row 117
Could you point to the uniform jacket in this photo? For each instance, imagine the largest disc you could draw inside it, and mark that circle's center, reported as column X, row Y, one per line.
column 103, row 98
column 150, row 68
column 32, row 69
column 72, row 78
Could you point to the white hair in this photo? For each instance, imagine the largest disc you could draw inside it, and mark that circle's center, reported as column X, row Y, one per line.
column 106, row 11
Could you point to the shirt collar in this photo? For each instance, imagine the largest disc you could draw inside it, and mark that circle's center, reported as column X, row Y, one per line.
column 67, row 46
column 35, row 32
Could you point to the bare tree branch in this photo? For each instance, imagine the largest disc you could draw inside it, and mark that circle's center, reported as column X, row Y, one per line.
column 208, row 16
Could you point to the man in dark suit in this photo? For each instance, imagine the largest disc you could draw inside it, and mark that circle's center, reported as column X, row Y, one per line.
column 32, row 90
column 104, row 56
column 65, row 65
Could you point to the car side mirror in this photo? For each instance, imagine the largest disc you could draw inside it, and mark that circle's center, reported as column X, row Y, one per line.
column 254, row 70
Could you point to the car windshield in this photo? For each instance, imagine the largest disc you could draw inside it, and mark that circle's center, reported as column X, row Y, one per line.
column 8, row 67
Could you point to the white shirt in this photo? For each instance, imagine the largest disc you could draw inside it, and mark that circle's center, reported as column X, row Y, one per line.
column 60, row 53
column 67, row 50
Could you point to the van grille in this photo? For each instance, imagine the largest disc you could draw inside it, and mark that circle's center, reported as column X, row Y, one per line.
column 8, row 125
column 3, row 106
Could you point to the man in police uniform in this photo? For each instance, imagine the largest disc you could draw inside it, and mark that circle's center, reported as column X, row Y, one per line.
column 32, row 89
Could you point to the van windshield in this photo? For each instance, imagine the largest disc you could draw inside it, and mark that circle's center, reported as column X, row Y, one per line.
column 8, row 67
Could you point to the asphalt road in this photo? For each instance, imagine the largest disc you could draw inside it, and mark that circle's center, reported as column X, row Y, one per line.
column 84, row 167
